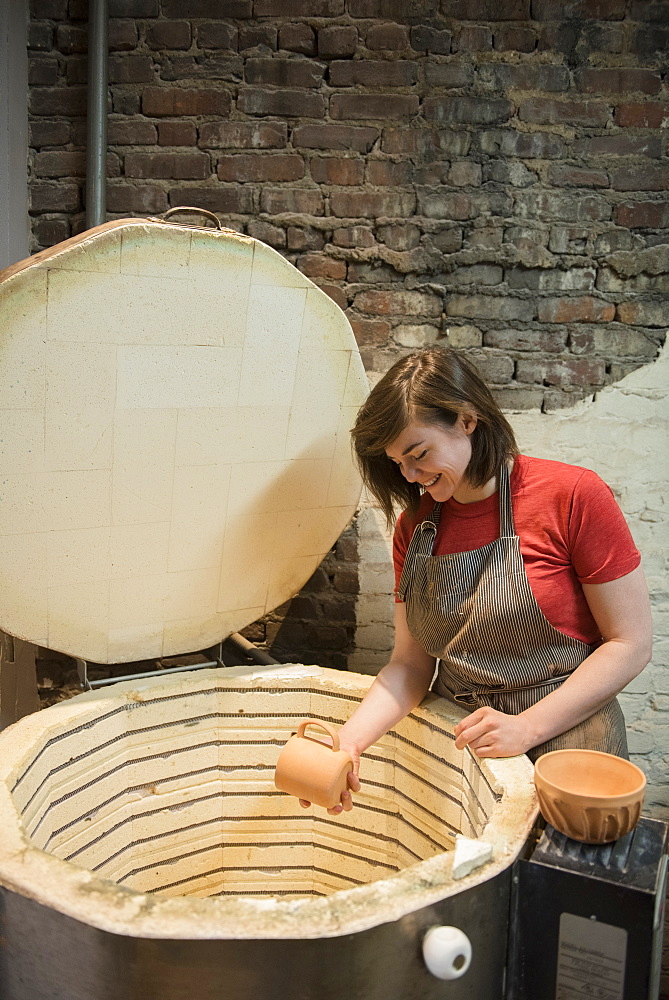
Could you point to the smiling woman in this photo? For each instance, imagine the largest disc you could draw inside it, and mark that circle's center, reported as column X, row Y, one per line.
column 517, row 578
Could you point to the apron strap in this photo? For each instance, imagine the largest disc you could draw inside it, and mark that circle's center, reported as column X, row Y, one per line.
column 506, row 526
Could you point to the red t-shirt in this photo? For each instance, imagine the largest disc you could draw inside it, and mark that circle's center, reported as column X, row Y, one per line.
column 571, row 531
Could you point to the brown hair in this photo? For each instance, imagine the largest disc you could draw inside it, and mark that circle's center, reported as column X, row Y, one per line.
column 432, row 386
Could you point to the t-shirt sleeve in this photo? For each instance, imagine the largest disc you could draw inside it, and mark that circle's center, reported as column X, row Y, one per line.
column 600, row 541
column 401, row 539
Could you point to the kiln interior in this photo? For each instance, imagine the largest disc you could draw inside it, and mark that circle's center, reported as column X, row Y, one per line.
column 168, row 788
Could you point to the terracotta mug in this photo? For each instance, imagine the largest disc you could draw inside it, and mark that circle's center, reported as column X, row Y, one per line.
column 311, row 769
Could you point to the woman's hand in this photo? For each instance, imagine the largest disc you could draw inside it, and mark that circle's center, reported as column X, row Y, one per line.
column 346, row 803
column 490, row 733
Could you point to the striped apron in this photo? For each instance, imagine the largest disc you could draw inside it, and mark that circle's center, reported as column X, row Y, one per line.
column 476, row 613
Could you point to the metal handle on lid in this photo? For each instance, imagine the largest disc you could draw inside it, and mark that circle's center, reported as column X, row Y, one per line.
column 193, row 211
column 330, row 730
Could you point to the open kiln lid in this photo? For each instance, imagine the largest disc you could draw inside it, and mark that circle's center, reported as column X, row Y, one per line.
column 174, row 457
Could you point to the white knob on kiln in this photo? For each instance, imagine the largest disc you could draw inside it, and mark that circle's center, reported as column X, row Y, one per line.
column 447, row 952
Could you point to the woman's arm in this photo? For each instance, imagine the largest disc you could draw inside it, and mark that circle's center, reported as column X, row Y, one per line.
column 399, row 687
column 622, row 611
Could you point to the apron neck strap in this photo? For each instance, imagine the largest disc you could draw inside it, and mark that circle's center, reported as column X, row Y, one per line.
column 506, row 527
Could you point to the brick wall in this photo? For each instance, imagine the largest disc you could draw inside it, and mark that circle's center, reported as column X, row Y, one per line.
column 486, row 173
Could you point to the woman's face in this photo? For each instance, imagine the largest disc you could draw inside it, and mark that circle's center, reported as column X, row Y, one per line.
column 436, row 457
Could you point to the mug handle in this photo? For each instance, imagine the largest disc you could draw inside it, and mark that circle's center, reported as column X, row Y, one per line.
column 330, row 730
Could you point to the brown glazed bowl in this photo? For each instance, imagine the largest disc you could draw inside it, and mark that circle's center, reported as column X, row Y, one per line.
column 590, row 796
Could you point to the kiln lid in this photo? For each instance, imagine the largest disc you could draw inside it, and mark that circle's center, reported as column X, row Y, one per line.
column 175, row 457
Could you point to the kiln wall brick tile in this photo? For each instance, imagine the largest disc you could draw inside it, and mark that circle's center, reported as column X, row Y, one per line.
column 243, row 135
column 178, row 166
column 284, row 72
column 276, row 201
column 228, row 200
column 357, row 138
column 373, row 73
column 217, row 35
column 649, row 114
column 291, row 103
column 354, row 204
column 167, row 101
column 337, row 42
column 363, row 106
column 467, row 110
column 169, row 35
column 427, row 39
column 584, row 309
column 337, row 170
column 260, row 167
column 177, row 134
column 297, row 38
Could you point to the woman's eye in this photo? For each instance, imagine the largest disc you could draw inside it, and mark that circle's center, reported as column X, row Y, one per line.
column 422, row 455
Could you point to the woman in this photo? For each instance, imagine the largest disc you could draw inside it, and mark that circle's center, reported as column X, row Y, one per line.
column 517, row 577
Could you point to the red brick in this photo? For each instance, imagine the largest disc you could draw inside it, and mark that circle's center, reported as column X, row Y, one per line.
column 132, row 8
column 168, row 101
column 353, row 236
column 361, row 106
column 169, row 35
column 217, row 35
column 490, row 307
column 644, row 313
column 305, row 238
column 392, row 37
column 653, row 177
column 70, row 102
column 131, row 133
column 260, row 167
column 642, row 215
column 451, row 75
column 363, row 204
column 551, row 341
column 511, row 37
column 125, row 102
column 317, row 265
column 243, row 135
column 70, row 39
column 277, row 201
column 465, row 110
column 357, row 138
column 177, row 134
column 48, row 232
column 583, row 309
column 620, row 145
column 525, row 145
column 398, row 303
column 566, row 176
column 122, row 36
column 298, row 8
column 337, row 170
column 427, row 39
column 265, row 231
column 472, row 38
column 502, row 76
column 53, row 10
column 133, row 197
column 42, row 72
column 228, row 200
column 208, row 67
column 400, row 237
column 257, row 36
column 549, row 111
column 337, row 294
column 434, row 203
column 40, row 37
column 335, row 42
column 45, row 133
column 60, row 163
column 207, row 8
column 562, row 372
column 284, row 72
column 51, row 196
column 487, row 10
column 370, row 332
column 647, row 115
column 373, row 73
column 130, row 69
column 177, row 166
column 386, row 173
column 465, row 173
column 297, row 38
column 618, row 81
column 288, row 103
column 546, row 10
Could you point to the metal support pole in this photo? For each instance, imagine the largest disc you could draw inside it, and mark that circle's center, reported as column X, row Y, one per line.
column 96, row 150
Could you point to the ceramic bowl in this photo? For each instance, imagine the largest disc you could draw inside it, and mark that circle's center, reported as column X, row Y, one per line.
column 590, row 796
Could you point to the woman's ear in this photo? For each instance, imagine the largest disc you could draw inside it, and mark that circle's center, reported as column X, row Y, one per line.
column 469, row 421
